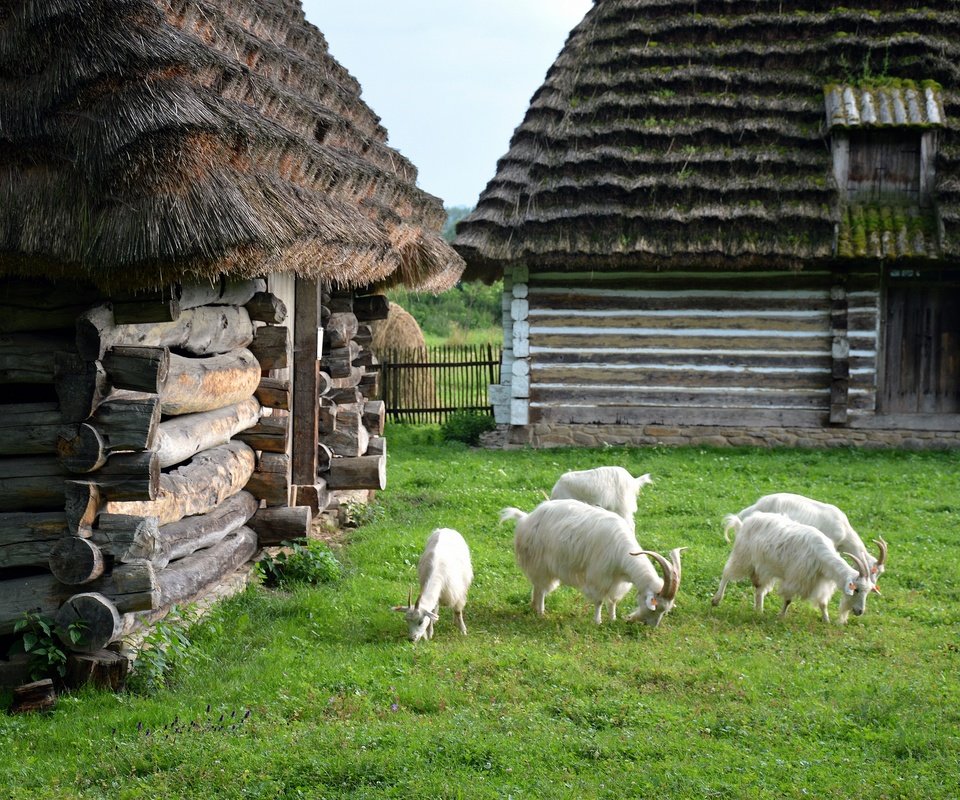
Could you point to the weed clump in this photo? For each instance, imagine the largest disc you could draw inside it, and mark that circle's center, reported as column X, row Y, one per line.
column 466, row 427
column 311, row 563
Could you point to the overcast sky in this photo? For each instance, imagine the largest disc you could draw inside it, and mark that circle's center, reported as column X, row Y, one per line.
column 449, row 79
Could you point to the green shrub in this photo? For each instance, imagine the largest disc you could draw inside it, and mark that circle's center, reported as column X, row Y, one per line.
column 40, row 639
column 311, row 563
column 466, row 426
column 166, row 648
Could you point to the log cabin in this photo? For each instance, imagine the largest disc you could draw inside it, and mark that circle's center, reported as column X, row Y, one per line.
column 733, row 222
column 199, row 214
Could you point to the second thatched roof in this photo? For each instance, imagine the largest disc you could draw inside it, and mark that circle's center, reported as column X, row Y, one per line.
column 145, row 141
column 671, row 132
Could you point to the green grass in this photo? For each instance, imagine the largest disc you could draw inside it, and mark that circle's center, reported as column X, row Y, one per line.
column 715, row 703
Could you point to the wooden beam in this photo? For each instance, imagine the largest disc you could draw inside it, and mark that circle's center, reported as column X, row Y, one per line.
column 283, row 524
column 205, row 384
column 307, row 343
column 271, row 346
column 181, row 438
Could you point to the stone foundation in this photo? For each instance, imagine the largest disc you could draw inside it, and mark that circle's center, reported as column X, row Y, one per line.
column 543, row 436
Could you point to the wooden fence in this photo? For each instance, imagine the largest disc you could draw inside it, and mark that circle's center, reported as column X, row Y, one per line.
column 428, row 384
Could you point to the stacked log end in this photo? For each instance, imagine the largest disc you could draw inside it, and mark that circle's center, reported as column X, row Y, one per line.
column 351, row 420
column 127, row 458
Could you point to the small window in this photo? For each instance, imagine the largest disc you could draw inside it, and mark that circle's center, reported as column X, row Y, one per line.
column 884, row 167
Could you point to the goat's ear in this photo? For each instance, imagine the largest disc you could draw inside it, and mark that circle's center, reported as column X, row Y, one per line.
column 651, row 601
column 433, row 615
column 850, row 588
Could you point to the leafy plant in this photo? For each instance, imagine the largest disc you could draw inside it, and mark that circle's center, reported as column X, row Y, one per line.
column 40, row 639
column 165, row 648
column 466, row 426
column 310, row 563
column 354, row 514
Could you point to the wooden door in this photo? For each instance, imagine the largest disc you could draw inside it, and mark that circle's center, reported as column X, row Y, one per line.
column 921, row 350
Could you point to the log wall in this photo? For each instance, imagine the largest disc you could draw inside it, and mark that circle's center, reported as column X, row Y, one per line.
column 750, row 348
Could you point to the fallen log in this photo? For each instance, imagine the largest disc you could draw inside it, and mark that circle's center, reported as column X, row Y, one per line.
column 181, row 438
column 206, row 384
column 270, row 434
column 197, row 487
column 29, row 428
column 272, row 345
column 364, row 472
column 199, row 331
column 266, row 307
column 283, row 523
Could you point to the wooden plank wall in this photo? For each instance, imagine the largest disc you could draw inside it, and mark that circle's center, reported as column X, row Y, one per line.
column 750, row 348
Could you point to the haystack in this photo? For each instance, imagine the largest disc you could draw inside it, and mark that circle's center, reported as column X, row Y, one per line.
column 398, row 339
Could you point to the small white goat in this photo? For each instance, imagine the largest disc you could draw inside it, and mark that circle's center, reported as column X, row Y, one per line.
column 827, row 519
column 612, row 488
column 596, row 551
column 445, row 574
column 771, row 547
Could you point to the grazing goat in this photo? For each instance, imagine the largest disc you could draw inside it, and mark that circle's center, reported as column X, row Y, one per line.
column 596, row 551
column 827, row 519
column 612, row 488
column 445, row 574
column 771, row 547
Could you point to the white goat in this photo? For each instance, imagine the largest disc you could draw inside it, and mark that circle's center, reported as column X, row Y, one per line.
column 612, row 488
column 596, row 551
column 445, row 574
column 771, row 547
column 827, row 519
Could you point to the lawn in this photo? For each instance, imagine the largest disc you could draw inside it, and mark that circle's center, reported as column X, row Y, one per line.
column 716, row 702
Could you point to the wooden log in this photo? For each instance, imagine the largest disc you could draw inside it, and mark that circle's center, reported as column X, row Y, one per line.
column 31, row 304
column 350, row 381
column 314, row 496
column 370, row 385
column 30, row 357
column 377, row 446
column 338, row 361
column 374, row 416
column 266, row 307
column 324, row 457
column 187, row 577
column 270, row 482
column 307, row 350
column 31, row 483
column 145, row 310
column 180, row 539
column 81, row 386
column 271, row 346
column 181, row 438
column 366, row 359
column 363, row 472
column 129, row 476
column 104, row 669
column 75, row 560
column 196, row 487
column 340, row 328
column 81, row 503
column 205, row 384
column 350, row 437
column 326, row 415
column 127, row 538
column 33, row 697
column 140, row 369
column 274, row 526
column 130, row 587
column 270, row 434
column 345, row 396
column 274, row 393
column 363, row 336
column 369, row 307
column 98, row 618
column 199, row 331
column 119, row 424
column 340, row 303
column 26, row 539
column 29, row 428
column 224, row 292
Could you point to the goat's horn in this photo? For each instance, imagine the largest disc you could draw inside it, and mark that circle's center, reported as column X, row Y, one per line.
column 671, row 580
column 675, row 558
column 883, row 550
column 409, row 597
column 862, row 567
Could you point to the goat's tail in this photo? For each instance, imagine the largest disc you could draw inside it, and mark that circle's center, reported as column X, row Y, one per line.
column 643, row 480
column 511, row 513
column 731, row 522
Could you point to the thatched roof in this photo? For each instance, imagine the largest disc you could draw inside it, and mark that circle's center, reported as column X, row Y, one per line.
column 671, row 132
column 143, row 141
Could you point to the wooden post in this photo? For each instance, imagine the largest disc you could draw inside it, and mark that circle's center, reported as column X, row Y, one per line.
column 307, row 343
column 840, row 353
